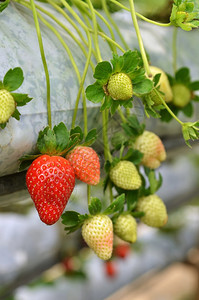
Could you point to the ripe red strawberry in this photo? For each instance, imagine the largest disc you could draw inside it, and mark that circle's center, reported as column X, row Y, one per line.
column 86, row 164
column 50, row 181
column 97, row 232
column 110, row 268
column 153, row 149
column 122, row 250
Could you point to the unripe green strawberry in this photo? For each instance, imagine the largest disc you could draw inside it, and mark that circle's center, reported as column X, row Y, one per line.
column 181, row 95
column 164, row 86
column 125, row 175
column 154, row 209
column 120, row 87
column 7, row 106
column 125, row 228
column 153, row 149
column 97, row 232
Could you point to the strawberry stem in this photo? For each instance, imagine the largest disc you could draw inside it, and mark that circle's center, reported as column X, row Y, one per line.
column 105, row 8
column 120, row 112
column 47, row 13
column 43, row 61
column 95, row 29
column 84, row 6
column 168, row 109
column 140, row 42
column 89, row 194
column 174, row 48
column 103, row 35
column 141, row 16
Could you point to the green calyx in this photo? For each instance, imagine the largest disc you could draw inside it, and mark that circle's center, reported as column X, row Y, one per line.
column 181, row 95
column 118, row 80
column 184, row 14
column 58, row 141
column 74, row 220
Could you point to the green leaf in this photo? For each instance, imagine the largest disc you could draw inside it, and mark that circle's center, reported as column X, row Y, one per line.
column 91, row 136
column 1, row 85
column 117, row 63
column 131, row 61
column 95, row 207
column 144, row 87
column 116, row 205
column 188, row 110
column 114, row 106
column 194, row 86
column 195, row 98
column 21, row 99
column 156, row 79
column 4, row 5
column 26, row 161
column 137, row 214
column 103, row 71
column 183, row 75
column 3, row 125
column 108, row 101
column 13, row 79
column 107, row 166
column 135, row 124
column 16, row 114
column 95, row 93
column 46, row 141
column 186, row 135
column 118, row 138
column 62, row 136
column 135, row 157
column 73, row 142
column 131, row 199
column 77, row 132
column 70, row 218
column 154, row 183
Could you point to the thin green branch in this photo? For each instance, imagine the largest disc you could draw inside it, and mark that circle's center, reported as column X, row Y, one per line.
column 168, row 109
column 103, row 35
column 95, row 29
column 84, row 7
column 141, row 16
column 174, row 48
column 43, row 60
column 141, row 45
column 114, row 24
column 61, row 11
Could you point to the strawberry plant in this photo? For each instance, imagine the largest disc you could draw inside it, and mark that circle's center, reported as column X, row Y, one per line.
column 132, row 155
column 9, row 101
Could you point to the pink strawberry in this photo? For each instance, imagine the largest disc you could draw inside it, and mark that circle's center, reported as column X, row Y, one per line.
column 86, row 164
column 50, row 181
column 153, row 149
column 97, row 232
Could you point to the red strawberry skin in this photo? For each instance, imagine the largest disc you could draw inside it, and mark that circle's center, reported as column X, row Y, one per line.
column 50, row 181
column 86, row 164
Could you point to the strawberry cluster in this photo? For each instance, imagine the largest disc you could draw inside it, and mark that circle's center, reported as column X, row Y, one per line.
column 50, row 179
